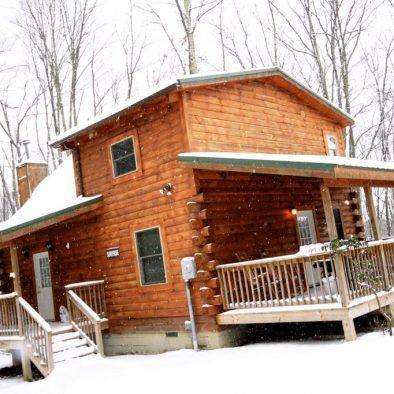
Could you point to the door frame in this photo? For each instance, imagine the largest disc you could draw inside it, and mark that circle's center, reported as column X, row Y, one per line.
column 35, row 257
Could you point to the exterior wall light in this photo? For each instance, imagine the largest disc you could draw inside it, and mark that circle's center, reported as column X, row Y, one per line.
column 293, row 211
column 49, row 245
column 25, row 252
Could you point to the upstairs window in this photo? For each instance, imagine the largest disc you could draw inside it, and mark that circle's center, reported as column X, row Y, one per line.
column 332, row 145
column 123, row 157
column 150, row 256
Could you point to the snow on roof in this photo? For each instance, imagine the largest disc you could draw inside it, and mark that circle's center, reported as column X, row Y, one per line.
column 266, row 159
column 185, row 80
column 54, row 194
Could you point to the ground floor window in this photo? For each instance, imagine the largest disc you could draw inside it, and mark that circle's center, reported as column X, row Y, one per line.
column 150, row 256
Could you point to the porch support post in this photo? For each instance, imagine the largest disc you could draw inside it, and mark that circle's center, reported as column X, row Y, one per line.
column 15, row 269
column 373, row 217
column 332, row 233
column 347, row 322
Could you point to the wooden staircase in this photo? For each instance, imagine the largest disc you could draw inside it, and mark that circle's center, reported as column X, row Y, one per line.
column 22, row 328
column 67, row 343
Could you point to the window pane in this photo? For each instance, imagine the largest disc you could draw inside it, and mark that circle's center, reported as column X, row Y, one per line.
column 122, row 148
column 125, row 165
column 123, row 157
column 150, row 256
column 149, row 242
column 153, row 269
column 45, row 273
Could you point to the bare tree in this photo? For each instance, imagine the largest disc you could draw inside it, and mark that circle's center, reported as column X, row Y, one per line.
column 133, row 45
column 191, row 14
column 76, row 17
column 12, row 118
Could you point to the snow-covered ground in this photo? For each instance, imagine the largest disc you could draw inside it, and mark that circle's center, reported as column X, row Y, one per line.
column 363, row 366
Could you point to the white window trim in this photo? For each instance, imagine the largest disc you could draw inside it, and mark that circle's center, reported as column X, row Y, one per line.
column 140, row 269
column 113, row 161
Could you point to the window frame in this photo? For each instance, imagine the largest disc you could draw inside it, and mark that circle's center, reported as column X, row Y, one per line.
column 138, row 266
column 113, row 159
column 138, row 172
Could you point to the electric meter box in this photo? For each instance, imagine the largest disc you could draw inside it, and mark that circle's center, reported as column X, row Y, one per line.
column 189, row 270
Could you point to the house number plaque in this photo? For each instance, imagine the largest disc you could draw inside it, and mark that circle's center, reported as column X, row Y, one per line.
column 113, row 253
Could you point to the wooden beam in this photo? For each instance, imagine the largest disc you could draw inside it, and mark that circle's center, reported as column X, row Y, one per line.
column 15, row 269
column 372, row 213
column 328, row 212
column 333, row 234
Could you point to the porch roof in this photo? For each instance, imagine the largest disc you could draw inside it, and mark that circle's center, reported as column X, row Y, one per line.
column 54, row 200
column 333, row 169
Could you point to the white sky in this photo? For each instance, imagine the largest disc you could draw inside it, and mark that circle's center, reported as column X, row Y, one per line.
column 112, row 15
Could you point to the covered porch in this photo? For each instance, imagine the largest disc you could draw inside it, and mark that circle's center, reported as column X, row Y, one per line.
column 292, row 285
column 37, row 278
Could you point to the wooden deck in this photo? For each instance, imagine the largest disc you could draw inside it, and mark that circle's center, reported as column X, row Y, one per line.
column 280, row 289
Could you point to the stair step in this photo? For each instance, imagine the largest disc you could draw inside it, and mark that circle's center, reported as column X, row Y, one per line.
column 73, row 353
column 69, row 344
column 62, row 329
column 65, row 337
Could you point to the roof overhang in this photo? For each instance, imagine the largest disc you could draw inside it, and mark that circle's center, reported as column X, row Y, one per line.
column 63, row 215
column 273, row 74
column 334, row 170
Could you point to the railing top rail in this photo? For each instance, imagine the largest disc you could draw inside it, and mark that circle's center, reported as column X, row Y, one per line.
column 84, row 284
column 268, row 260
column 295, row 256
column 84, row 307
column 8, row 296
column 35, row 315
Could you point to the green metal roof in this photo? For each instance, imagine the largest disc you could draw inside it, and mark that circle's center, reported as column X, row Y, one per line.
column 299, row 162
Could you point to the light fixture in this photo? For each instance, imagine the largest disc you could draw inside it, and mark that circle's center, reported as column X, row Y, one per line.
column 167, row 189
column 293, row 211
column 49, row 245
column 25, row 252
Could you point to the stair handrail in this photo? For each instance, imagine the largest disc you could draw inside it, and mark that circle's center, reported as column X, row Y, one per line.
column 85, row 320
column 92, row 293
column 84, row 284
column 38, row 336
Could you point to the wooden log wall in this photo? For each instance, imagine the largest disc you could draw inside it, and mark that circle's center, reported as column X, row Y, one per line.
column 241, row 217
column 6, row 285
column 256, row 116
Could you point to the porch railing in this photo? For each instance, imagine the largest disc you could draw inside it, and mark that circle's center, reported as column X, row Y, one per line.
column 8, row 315
column 92, row 293
column 305, row 279
column 87, row 311
column 38, row 337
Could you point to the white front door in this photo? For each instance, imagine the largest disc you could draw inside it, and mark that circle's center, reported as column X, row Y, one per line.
column 307, row 234
column 42, row 270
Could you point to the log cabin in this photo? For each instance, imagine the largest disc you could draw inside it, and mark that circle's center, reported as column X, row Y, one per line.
column 241, row 171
